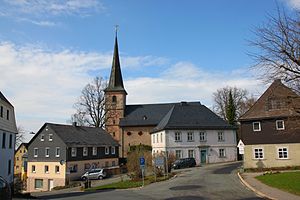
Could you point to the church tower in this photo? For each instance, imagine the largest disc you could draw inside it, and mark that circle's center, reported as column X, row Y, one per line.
column 115, row 96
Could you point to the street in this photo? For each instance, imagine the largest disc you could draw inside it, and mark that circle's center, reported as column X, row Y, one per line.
column 218, row 181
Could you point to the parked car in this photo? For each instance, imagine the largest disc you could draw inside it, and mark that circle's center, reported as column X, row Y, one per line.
column 183, row 163
column 94, row 174
column 5, row 192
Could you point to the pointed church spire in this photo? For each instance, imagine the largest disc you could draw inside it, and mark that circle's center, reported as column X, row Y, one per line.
column 116, row 80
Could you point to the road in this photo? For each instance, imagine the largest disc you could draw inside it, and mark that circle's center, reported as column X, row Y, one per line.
column 200, row 183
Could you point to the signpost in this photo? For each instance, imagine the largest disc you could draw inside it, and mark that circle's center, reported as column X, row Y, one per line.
column 142, row 166
column 241, row 147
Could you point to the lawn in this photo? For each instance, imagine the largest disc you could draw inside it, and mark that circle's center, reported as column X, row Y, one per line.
column 288, row 181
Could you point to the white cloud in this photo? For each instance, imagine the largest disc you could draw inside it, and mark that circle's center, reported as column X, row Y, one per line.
column 294, row 4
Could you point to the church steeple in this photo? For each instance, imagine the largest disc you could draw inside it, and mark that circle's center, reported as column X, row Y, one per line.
column 116, row 80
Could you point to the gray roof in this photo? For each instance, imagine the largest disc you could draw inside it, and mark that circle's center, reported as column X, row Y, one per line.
column 191, row 116
column 146, row 114
column 80, row 135
column 4, row 99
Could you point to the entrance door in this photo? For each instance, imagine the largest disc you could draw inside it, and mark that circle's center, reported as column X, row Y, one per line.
column 50, row 184
column 203, row 156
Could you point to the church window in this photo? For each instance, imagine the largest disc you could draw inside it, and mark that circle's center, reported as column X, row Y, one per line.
column 140, row 133
column 114, row 99
column 128, row 133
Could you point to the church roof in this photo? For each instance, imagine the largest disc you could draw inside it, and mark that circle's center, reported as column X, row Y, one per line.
column 116, row 80
column 191, row 116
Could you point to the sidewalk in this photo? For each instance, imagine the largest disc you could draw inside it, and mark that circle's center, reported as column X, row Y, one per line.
column 249, row 180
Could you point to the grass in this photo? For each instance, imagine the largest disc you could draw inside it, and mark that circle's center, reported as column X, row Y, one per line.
column 287, row 181
column 128, row 183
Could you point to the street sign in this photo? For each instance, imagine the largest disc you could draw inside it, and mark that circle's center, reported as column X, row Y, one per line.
column 159, row 161
column 241, row 147
column 142, row 161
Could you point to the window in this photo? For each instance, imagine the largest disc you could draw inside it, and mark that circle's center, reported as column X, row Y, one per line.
column 161, row 138
column 221, row 136
column 73, row 168
column 17, row 167
column 113, row 163
column 57, row 169
column 10, row 141
column 17, row 158
column 7, row 114
column 202, row 136
column 50, row 137
column 94, row 151
column 57, row 152
column 178, row 154
column 3, row 140
column 35, row 152
column 106, row 163
column 38, row 183
column 114, row 99
column 279, row 124
column 258, row 153
column 9, row 167
column 1, row 111
column 282, row 153
column 73, row 151
column 191, row 153
column 47, row 150
column 256, row 126
column 190, row 136
column 85, row 151
column 46, row 169
column 33, row 168
column 177, row 136
column 156, row 138
column 153, row 138
column 222, row 153
column 42, row 137
column 106, row 150
column 113, row 150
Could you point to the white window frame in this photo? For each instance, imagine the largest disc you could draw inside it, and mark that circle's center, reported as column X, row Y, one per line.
column 106, row 150
column 222, row 153
column 204, row 136
column 35, row 152
column 50, row 137
column 277, row 128
column 259, row 126
column 47, row 152
column 178, row 136
column 190, row 139
column 113, row 150
column 42, row 185
column 94, row 151
column 42, row 137
column 73, row 151
column 280, row 149
column 262, row 151
column 85, row 151
column 57, row 152
column 193, row 154
column 221, row 136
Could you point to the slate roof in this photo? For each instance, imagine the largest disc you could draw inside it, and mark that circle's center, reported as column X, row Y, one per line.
column 191, row 116
column 146, row 114
column 4, row 99
column 79, row 135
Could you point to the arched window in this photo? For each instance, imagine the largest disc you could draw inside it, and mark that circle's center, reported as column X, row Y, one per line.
column 114, row 99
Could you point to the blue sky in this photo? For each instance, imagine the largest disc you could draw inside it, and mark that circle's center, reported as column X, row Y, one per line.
column 170, row 50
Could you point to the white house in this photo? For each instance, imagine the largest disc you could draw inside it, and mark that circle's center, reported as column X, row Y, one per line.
column 8, row 130
column 192, row 130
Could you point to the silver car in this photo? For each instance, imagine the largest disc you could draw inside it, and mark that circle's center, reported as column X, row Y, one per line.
column 94, row 174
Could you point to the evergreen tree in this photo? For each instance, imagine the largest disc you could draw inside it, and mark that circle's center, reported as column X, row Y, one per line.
column 231, row 109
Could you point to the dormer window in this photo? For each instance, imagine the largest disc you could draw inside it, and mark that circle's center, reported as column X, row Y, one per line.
column 256, row 126
column 114, row 99
column 279, row 125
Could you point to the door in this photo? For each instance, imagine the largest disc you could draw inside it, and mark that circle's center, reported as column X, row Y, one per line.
column 203, row 156
column 50, row 184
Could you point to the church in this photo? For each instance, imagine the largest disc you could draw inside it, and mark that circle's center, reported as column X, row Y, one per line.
column 133, row 125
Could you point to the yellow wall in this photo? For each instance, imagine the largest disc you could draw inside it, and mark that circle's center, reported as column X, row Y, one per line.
column 58, row 178
column 19, row 160
column 271, row 156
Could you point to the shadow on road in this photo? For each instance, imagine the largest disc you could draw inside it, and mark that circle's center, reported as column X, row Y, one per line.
column 227, row 169
column 186, row 198
column 185, row 187
column 71, row 194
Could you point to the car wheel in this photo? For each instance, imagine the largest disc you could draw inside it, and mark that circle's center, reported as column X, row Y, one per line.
column 100, row 177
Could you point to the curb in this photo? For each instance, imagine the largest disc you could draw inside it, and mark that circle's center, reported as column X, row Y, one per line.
column 253, row 189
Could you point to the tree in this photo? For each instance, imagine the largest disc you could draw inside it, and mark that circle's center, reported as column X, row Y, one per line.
column 20, row 136
column 231, row 110
column 241, row 101
column 90, row 107
column 278, row 42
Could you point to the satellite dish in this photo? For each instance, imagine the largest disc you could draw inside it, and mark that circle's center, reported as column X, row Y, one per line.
column 62, row 162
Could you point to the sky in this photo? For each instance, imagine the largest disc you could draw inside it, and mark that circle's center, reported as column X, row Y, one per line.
column 170, row 51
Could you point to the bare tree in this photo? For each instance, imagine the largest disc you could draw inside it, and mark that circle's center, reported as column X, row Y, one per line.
column 90, row 107
column 240, row 97
column 278, row 42
column 20, row 136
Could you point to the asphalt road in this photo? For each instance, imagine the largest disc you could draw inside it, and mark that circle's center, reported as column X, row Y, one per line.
column 200, row 183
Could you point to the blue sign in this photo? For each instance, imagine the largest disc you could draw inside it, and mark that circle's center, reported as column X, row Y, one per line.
column 142, row 161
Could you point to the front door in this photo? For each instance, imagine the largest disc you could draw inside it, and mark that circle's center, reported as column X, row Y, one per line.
column 50, row 184
column 203, row 156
